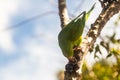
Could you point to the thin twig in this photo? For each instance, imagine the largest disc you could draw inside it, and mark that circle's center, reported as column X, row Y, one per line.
column 28, row 20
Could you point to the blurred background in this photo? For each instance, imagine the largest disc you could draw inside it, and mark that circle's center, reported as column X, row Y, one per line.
column 28, row 39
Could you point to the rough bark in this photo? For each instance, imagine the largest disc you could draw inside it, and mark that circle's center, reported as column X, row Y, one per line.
column 63, row 12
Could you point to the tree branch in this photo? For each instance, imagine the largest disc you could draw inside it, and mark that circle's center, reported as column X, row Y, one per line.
column 63, row 12
column 103, row 18
column 74, row 67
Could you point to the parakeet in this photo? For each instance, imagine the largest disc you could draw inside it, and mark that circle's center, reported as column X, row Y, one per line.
column 71, row 34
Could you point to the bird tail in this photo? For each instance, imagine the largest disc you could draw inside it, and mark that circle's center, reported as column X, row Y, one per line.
column 88, row 13
column 84, row 14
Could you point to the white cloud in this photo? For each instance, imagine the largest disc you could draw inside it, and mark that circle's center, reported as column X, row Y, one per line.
column 41, row 61
column 18, row 70
column 7, row 9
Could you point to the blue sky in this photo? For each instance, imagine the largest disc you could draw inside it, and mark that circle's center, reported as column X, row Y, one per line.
column 31, row 51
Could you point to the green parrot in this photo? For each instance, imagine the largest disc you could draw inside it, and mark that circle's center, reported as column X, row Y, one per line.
column 71, row 34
